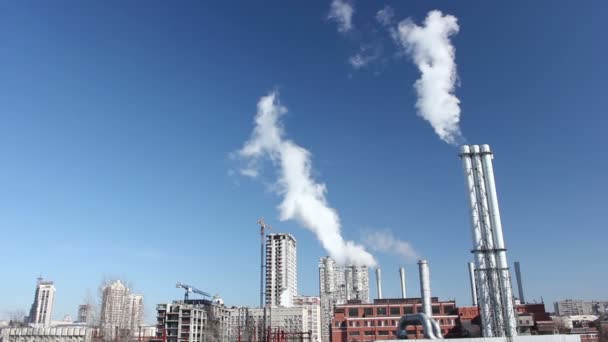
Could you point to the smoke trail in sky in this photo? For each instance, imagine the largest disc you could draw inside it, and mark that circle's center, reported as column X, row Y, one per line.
column 431, row 49
column 303, row 197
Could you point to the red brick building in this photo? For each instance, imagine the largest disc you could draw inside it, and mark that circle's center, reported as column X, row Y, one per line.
column 379, row 320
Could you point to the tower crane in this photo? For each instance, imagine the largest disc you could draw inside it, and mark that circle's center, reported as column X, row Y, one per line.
column 189, row 289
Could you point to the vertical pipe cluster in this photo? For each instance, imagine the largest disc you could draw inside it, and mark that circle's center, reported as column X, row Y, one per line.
column 379, row 282
column 520, row 287
column 473, row 283
column 402, row 277
column 495, row 297
column 425, row 287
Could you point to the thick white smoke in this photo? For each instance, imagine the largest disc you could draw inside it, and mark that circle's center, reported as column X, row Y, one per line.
column 433, row 53
column 384, row 241
column 303, row 198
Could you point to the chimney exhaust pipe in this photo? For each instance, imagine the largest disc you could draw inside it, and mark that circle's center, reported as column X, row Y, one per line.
column 425, row 287
column 402, row 276
column 379, row 282
column 473, row 283
column 520, row 287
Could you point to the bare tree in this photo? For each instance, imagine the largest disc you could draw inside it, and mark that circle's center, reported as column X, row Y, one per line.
column 16, row 318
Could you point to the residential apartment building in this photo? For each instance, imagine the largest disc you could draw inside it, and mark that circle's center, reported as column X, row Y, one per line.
column 120, row 310
column 337, row 285
column 281, row 270
column 571, row 307
column 42, row 308
column 197, row 320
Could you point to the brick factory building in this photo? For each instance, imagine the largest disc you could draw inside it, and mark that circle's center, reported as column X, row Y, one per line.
column 378, row 320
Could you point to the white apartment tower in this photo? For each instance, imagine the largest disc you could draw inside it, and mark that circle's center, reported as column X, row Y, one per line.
column 42, row 308
column 120, row 308
column 337, row 285
column 312, row 306
column 281, row 270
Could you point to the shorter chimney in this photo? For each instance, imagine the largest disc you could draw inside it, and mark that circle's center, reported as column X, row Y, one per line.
column 425, row 287
column 379, row 282
column 402, row 276
column 473, row 283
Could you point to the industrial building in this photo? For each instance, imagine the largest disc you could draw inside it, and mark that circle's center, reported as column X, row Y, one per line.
column 281, row 270
column 56, row 334
column 42, row 307
column 379, row 320
column 337, row 285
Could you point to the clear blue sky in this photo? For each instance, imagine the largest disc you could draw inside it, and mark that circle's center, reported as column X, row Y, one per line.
column 117, row 119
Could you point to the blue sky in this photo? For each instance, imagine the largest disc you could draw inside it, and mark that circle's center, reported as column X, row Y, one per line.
column 117, row 120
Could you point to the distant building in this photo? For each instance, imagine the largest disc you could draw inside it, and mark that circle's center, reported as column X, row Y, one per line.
column 312, row 305
column 571, row 307
column 379, row 320
column 57, row 334
column 85, row 313
column 42, row 308
column 337, row 285
column 281, row 270
column 121, row 311
column 289, row 320
column 196, row 320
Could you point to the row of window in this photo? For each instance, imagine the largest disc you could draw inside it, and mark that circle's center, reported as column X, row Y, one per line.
column 396, row 310
column 386, row 323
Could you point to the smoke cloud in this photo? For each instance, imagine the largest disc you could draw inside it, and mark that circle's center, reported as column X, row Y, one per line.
column 303, row 197
column 384, row 241
column 342, row 12
column 431, row 49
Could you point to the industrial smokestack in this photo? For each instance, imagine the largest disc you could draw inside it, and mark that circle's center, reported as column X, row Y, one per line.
column 402, row 276
column 425, row 287
column 492, row 278
column 473, row 283
column 520, row 287
column 379, row 282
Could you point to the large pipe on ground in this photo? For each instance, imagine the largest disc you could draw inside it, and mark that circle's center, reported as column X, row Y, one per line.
column 425, row 287
column 402, row 277
column 431, row 329
column 379, row 282
column 520, row 287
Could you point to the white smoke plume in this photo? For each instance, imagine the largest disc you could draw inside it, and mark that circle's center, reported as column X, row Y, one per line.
column 303, row 197
column 384, row 241
column 342, row 12
column 431, row 49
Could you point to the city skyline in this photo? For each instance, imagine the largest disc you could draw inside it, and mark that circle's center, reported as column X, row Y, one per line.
column 118, row 142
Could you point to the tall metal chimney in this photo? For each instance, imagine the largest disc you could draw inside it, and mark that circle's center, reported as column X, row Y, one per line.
column 402, row 277
column 425, row 287
column 520, row 287
column 379, row 282
column 473, row 283
column 493, row 281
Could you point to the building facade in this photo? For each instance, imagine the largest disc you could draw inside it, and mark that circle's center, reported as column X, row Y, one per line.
column 42, row 308
column 290, row 320
column 85, row 313
column 197, row 320
column 281, row 270
column 337, row 285
column 379, row 320
column 121, row 311
column 571, row 307
column 59, row 334
column 312, row 305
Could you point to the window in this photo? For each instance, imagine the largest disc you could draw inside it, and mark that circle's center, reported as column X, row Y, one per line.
column 353, row 312
column 381, row 311
column 385, row 333
column 448, row 309
column 435, row 309
column 368, row 312
column 369, row 332
column 395, row 311
column 354, row 333
column 408, row 310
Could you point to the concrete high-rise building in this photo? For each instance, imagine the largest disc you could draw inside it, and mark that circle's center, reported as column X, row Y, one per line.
column 337, row 285
column 134, row 311
column 120, row 309
column 195, row 320
column 42, row 308
column 571, row 307
column 281, row 270
column 113, row 305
